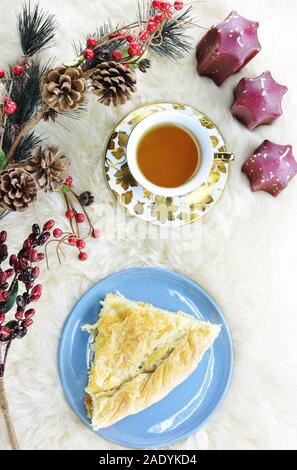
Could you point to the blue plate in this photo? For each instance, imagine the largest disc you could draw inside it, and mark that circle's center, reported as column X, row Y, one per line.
column 190, row 404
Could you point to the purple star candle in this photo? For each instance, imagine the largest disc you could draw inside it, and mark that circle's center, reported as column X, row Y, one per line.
column 258, row 100
column 227, row 48
column 270, row 168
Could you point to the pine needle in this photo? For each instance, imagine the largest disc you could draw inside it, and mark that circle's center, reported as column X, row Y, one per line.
column 36, row 28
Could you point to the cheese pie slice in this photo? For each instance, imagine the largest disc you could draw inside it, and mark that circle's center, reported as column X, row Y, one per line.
column 141, row 354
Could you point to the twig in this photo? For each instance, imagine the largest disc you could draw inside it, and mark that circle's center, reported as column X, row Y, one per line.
column 4, row 406
column 25, row 129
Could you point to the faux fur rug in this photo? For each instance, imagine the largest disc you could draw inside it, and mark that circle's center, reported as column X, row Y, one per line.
column 243, row 253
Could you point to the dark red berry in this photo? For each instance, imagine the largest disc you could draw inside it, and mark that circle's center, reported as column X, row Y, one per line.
column 35, row 272
column 69, row 181
column 83, row 256
column 96, row 233
column 3, row 236
column 4, row 332
column 28, row 322
column 9, row 272
column 36, row 230
column 33, row 255
column 2, row 73
column 91, row 42
column 2, row 318
column 43, row 238
column 80, row 218
column 40, row 256
column 57, row 233
column 18, row 70
column 37, row 289
column 48, row 225
column 19, row 315
column 89, row 54
column 13, row 260
column 30, row 313
column 80, row 244
column 72, row 240
column 35, row 297
column 3, row 278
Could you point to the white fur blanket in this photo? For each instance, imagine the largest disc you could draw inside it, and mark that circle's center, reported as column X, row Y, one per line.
column 243, row 253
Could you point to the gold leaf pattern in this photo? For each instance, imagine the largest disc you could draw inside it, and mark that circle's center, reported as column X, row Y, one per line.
column 214, row 177
column 223, row 149
column 214, row 141
column 118, row 153
column 178, row 106
column 123, row 139
column 127, row 197
column 206, row 122
column 111, row 144
column 138, row 208
column 222, row 167
column 146, row 194
column 124, row 177
column 137, row 117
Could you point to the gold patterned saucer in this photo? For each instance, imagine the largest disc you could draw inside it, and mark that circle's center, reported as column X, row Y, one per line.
column 158, row 210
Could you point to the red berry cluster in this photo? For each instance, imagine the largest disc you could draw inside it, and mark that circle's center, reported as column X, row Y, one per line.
column 21, row 271
column 73, row 238
column 9, row 106
column 89, row 51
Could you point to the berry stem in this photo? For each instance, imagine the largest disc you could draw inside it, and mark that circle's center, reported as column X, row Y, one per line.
column 4, row 403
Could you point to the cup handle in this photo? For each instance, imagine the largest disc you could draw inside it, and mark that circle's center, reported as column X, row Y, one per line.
column 224, row 157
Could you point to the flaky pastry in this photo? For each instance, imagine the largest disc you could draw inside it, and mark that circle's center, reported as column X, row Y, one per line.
column 141, row 354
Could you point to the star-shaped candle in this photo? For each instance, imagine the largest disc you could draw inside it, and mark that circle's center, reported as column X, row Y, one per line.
column 258, row 100
column 227, row 47
column 270, row 168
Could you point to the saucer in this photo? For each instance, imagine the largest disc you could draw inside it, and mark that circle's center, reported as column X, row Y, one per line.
column 136, row 200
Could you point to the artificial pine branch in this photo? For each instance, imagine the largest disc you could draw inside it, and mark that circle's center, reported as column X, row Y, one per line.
column 36, row 28
column 171, row 42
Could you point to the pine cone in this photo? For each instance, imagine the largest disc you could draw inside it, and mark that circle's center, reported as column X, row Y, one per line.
column 113, row 83
column 64, row 88
column 50, row 167
column 86, row 198
column 144, row 65
column 18, row 189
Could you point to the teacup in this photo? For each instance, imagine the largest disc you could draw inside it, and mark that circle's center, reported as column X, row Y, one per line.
column 199, row 135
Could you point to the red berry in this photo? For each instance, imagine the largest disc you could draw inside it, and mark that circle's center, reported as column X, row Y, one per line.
column 4, row 331
column 96, row 233
column 3, row 236
column 70, row 214
column 2, row 73
column 80, row 218
column 18, row 70
column 48, row 225
column 83, row 256
column 132, row 51
column 91, row 42
column 156, row 4
column 143, row 35
column 13, row 260
column 178, row 5
column 121, row 34
column 5, row 296
column 36, row 290
column 28, row 322
column 19, row 315
column 72, row 240
column 141, row 51
column 35, row 297
column 9, row 273
column 57, row 233
column 69, row 181
column 89, row 54
column 40, row 256
column 9, row 110
column 130, row 38
column 151, row 27
column 3, row 278
column 35, row 272
column 117, row 55
column 80, row 244
column 2, row 318
column 158, row 17
column 164, row 6
column 12, row 104
column 30, row 313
